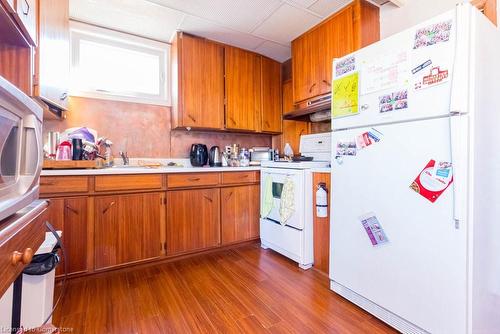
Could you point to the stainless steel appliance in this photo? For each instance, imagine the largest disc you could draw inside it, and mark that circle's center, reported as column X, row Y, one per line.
column 198, row 155
column 258, row 154
column 214, row 157
column 21, row 152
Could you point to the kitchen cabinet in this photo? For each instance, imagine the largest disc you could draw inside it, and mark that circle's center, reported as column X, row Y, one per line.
column 70, row 215
column 243, row 89
column 10, row 5
column 292, row 130
column 198, row 83
column 321, row 227
column 193, row 220
column 271, row 95
column 127, row 228
column 240, row 213
column 53, row 54
column 26, row 16
column 355, row 26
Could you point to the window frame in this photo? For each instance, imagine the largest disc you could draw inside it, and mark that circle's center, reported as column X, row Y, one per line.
column 79, row 31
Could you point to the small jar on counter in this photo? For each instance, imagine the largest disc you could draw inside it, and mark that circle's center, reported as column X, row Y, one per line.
column 244, row 157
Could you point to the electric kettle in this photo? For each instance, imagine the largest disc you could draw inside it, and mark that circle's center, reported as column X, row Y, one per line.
column 214, row 157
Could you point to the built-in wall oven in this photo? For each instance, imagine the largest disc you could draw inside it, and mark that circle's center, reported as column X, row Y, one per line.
column 20, row 149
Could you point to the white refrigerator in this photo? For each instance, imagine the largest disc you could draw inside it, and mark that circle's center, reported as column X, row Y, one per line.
column 415, row 223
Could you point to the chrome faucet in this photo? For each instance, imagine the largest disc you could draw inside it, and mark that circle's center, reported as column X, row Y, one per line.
column 124, row 157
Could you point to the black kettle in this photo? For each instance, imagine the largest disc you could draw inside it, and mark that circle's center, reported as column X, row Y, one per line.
column 198, row 155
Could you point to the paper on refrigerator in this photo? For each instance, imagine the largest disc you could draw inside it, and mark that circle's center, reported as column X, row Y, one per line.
column 388, row 71
column 345, row 95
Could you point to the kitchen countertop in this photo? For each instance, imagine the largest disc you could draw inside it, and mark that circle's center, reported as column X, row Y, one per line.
column 142, row 170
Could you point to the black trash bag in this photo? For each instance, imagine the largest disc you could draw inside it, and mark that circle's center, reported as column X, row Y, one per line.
column 42, row 264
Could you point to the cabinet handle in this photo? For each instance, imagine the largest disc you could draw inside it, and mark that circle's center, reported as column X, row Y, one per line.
column 232, row 120
column 24, row 257
column 229, row 196
column 192, row 118
column 327, row 83
column 208, row 198
column 311, row 88
column 267, row 123
column 108, row 207
column 63, row 96
column 71, row 209
column 194, row 179
column 26, row 10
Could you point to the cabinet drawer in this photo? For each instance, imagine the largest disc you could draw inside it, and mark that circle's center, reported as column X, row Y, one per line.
column 25, row 239
column 240, row 177
column 63, row 184
column 128, row 182
column 192, row 180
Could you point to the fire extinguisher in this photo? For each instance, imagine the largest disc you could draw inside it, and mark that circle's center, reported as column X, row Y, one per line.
column 322, row 201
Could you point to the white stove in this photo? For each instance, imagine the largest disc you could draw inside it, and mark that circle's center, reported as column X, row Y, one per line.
column 292, row 235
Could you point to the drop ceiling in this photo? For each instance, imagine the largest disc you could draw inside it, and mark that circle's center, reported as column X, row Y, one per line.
column 264, row 26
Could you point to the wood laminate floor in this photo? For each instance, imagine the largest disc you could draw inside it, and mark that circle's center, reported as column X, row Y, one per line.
column 243, row 290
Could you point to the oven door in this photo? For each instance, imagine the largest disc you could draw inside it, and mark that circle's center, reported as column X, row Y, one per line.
column 278, row 177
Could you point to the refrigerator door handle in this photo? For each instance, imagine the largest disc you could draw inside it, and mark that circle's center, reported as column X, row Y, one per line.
column 459, row 157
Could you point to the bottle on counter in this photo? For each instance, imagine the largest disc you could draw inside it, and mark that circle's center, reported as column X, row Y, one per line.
column 244, row 157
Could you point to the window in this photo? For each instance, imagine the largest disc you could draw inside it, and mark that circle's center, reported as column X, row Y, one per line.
column 110, row 65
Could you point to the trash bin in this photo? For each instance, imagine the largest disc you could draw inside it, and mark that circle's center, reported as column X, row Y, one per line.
column 38, row 284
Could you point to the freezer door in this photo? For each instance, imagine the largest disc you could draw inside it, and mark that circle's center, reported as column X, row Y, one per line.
column 401, row 78
column 420, row 273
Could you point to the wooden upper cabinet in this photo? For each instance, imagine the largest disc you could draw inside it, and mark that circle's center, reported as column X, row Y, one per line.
column 26, row 17
column 53, row 54
column 346, row 31
column 243, row 89
column 127, row 228
column 271, row 95
column 197, row 82
column 305, row 55
column 193, row 220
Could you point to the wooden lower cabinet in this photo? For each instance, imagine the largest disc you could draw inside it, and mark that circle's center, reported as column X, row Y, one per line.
column 193, row 220
column 69, row 215
column 240, row 213
column 321, row 229
column 127, row 228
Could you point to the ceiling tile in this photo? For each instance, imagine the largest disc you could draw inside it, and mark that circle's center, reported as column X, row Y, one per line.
column 131, row 16
column 286, row 24
column 275, row 51
column 303, row 3
column 327, row 7
column 241, row 15
column 204, row 28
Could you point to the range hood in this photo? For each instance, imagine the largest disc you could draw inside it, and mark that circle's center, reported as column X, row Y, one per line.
column 306, row 108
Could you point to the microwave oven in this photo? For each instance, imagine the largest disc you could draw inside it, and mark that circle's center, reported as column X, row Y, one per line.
column 21, row 152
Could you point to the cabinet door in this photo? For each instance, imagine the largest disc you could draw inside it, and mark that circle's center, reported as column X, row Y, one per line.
column 193, row 220
column 271, row 95
column 69, row 215
column 240, row 208
column 127, row 228
column 321, row 227
column 202, row 77
column 26, row 16
column 337, row 40
column 243, row 89
column 53, row 52
column 305, row 56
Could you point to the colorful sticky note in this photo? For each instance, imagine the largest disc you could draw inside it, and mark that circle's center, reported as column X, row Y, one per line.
column 345, row 96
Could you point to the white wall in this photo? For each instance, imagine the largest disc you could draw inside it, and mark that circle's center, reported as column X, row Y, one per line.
column 394, row 19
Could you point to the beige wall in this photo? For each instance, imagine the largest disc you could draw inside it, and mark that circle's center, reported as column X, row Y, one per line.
column 143, row 130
